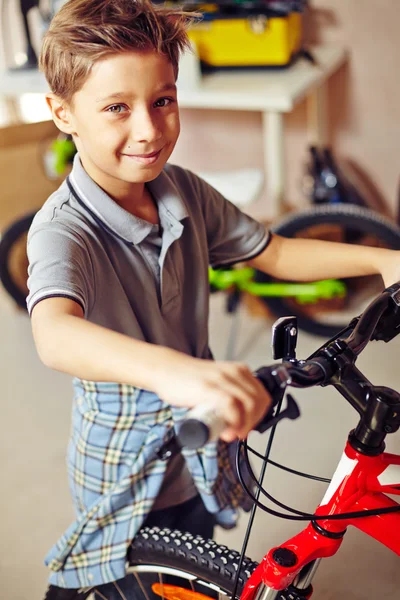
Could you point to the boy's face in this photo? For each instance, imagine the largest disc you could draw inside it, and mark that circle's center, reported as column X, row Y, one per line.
column 125, row 119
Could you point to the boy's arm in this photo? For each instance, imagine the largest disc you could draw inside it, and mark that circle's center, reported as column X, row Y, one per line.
column 66, row 342
column 310, row 260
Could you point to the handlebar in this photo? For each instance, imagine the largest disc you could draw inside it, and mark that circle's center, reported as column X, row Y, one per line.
column 332, row 364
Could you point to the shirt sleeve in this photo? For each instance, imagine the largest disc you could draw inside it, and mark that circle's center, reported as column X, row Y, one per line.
column 59, row 265
column 232, row 235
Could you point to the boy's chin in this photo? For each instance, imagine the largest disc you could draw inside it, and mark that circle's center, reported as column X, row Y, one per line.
column 143, row 174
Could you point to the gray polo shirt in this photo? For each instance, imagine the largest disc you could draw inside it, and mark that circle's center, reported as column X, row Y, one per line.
column 132, row 278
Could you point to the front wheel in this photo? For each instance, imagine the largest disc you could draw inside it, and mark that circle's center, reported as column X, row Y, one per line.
column 170, row 564
column 174, row 565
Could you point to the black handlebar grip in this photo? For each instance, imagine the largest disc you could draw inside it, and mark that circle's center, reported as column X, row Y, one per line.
column 193, row 434
column 203, row 424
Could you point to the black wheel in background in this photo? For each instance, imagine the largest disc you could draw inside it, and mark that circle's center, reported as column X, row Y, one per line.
column 14, row 260
column 340, row 223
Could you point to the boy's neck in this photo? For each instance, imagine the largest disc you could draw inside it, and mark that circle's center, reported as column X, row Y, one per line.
column 135, row 198
column 144, row 207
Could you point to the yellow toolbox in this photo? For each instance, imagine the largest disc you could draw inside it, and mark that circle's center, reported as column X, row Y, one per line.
column 260, row 39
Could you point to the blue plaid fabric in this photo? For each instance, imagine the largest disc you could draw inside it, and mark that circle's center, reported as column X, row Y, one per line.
column 115, row 475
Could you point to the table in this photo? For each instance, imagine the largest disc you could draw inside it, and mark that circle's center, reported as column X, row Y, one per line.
column 272, row 93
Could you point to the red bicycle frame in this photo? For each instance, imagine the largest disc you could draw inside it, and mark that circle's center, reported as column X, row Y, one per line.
column 359, row 483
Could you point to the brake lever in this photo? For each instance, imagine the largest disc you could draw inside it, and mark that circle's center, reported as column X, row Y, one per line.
column 291, row 411
column 388, row 326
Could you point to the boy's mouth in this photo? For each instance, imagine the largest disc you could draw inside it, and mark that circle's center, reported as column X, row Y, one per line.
column 144, row 159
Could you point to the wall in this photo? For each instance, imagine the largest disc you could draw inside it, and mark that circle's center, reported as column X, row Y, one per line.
column 23, row 182
column 364, row 104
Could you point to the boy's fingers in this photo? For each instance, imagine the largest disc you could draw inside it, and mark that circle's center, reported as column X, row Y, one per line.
column 246, row 382
column 252, row 387
column 240, row 403
column 241, row 410
column 229, row 435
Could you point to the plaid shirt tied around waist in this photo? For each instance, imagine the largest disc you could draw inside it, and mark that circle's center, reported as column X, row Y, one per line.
column 115, row 475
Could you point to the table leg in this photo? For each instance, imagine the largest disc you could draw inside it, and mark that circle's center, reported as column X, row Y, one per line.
column 274, row 161
column 12, row 110
column 317, row 113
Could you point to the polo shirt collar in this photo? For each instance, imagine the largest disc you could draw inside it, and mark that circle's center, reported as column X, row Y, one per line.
column 167, row 195
column 116, row 219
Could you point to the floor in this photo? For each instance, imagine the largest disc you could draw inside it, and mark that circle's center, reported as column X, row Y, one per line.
column 34, row 500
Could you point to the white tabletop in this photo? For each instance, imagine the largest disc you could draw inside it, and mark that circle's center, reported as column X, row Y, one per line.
column 263, row 90
column 255, row 90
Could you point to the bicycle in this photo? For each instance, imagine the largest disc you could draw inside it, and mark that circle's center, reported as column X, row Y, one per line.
column 344, row 209
column 356, row 495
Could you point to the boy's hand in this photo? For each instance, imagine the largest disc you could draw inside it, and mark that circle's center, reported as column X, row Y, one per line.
column 230, row 388
column 390, row 267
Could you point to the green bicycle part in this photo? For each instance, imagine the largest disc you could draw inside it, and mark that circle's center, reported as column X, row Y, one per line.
column 64, row 150
column 224, row 279
column 304, row 293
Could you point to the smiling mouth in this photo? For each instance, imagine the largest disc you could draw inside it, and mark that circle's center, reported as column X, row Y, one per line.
column 149, row 155
column 146, row 159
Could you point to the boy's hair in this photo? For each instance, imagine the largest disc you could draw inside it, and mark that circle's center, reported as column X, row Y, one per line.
column 84, row 31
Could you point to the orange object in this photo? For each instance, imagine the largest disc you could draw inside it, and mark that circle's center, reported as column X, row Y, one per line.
column 174, row 592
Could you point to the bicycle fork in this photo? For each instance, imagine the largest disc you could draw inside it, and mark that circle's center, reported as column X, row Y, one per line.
column 301, row 587
column 287, row 571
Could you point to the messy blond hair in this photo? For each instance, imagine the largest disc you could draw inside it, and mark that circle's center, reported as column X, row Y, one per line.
column 85, row 31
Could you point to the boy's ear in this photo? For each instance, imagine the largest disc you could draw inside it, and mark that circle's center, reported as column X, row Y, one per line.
column 60, row 112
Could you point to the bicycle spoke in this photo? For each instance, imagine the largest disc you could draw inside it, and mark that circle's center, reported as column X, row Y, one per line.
column 120, row 591
column 141, row 586
column 160, row 579
column 97, row 593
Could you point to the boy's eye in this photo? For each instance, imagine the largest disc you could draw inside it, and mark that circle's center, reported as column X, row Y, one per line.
column 116, row 108
column 161, row 102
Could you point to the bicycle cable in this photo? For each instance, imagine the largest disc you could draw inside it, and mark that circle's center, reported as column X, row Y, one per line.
column 301, row 516
column 284, row 468
column 254, row 507
column 261, row 489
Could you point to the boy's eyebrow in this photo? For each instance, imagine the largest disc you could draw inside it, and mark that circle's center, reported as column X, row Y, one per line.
column 168, row 87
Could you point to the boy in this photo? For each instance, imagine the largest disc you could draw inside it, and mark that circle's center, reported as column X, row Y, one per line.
column 118, row 282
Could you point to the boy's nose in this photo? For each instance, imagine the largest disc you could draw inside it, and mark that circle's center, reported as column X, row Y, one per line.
column 146, row 128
